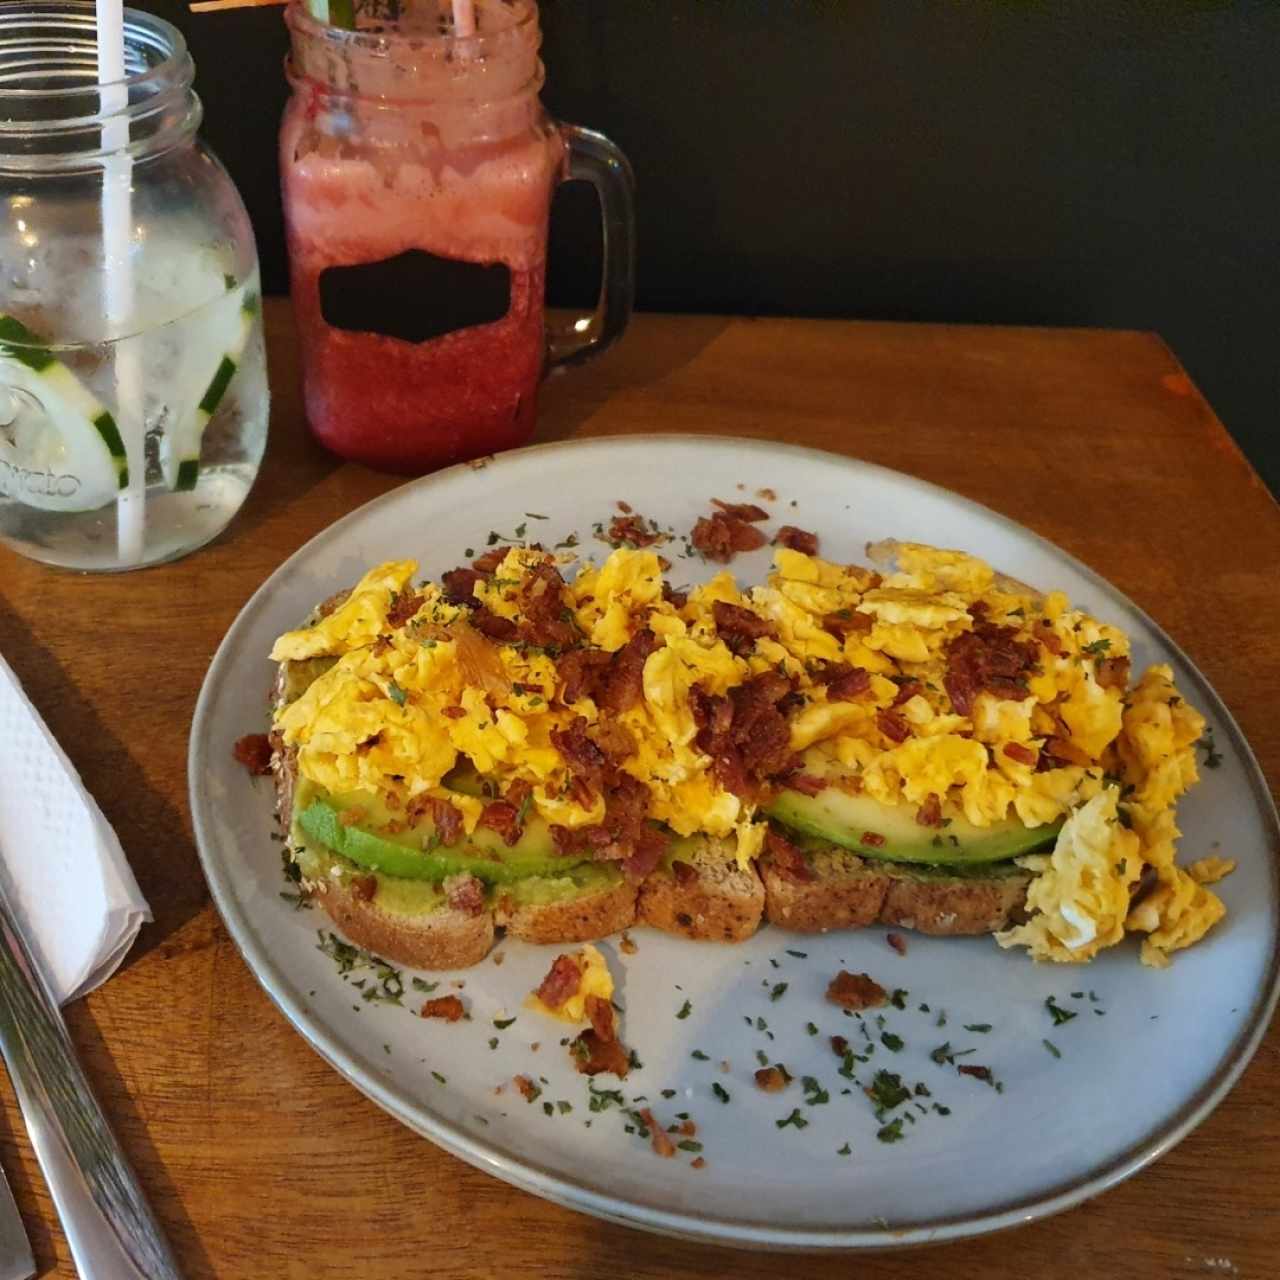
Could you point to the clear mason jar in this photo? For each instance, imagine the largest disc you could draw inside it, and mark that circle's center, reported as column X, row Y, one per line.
column 133, row 392
column 418, row 167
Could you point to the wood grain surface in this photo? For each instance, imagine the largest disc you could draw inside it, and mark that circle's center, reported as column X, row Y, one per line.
column 261, row 1162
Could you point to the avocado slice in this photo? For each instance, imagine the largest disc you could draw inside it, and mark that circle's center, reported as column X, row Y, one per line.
column 846, row 820
column 413, row 854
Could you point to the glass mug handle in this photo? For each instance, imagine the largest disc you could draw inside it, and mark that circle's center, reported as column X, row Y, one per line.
column 591, row 157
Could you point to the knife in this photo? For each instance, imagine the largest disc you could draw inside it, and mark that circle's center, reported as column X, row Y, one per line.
column 108, row 1224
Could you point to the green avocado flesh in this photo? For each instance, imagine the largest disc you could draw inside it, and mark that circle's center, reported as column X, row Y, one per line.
column 413, row 854
column 847, row 820
column 399, row 897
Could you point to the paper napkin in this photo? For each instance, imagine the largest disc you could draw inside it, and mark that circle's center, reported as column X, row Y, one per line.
column 64, row 869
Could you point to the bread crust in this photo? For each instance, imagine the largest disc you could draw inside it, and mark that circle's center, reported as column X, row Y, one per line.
column 445, row 939
column 844, row 894
column 719, row 902
column 952, row 908
column 584, row 919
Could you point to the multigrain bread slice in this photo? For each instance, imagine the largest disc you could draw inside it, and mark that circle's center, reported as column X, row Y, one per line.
column 580, row 919
column 701, row 892
column 848, row 892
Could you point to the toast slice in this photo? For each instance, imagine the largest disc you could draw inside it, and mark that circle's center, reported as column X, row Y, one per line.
column 699, row 891
column 849, row 892
column 584, row 916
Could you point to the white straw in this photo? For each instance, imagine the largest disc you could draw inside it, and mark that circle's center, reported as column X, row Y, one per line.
column 464, row 18
column 118, row 303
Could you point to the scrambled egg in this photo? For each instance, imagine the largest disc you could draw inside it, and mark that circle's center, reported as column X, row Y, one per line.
column 407, row 701
column 595, row 980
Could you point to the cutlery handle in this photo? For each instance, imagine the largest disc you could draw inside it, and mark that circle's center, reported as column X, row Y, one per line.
column 108, row 1224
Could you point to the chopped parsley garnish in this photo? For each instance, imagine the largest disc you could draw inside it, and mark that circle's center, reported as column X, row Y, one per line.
column 814, row 1094
column 564, row 1107
column 942, row 1018
column 668, row 1093
column 548, row 1108
column 685, row 1010
column 1212, row 756
column 396, row 693
column 503, row 1023
column 1096, row 648
column 899, row 998
column 603, row 1099
column 493, row 1042
column 689, row 1145
column 533, row 515
column 799, row 955
column 1059, row 1014
column 891, row 1132
column 981, row 1028
column 891, row 1042
column 720, row 1091
column 762, row 1058
column 701, row 1057
column 777, row 991
column 795, row 1120
column 844, row 1151
column 887, row 1091
column 438, row 1078
column 941, row 1110
column 1053, row 1048
column 811, row 1028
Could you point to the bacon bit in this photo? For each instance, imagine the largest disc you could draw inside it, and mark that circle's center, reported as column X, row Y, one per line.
column 988, row 658
column 676, row 599
column 394, row 827
column 493, row 625
column 444, row 817
column 684, row 874
column 453, row 713
column 662, row 1145
column 897, row 942
column 254, row 752
column 930, row 813
column 407, row 603
column 687, row 1129
column 349, row 817
column 563, row 981
column 979, row 1073
column 856, row 991
column 848, row 622
column 848, row 684
column 741, row 510
column 786, row 859
column 773, row 1079
column 625, row 507
column 718, row 537
column 1022, row 754
column 450, row 1008
column 627, row 945
column 1064, row 751
column 850, row 783
column 490, row 560
column 873, row 839
column 614, row 739
column 591, row 1055
column 739, row 628
column 548, row 619
column 1112, row 673
column 502, row 817
column 499, row 957
column 796, row 539
column 465, row 893
column 581, row 753
column 600, row 1013
column 631, row 529
column 364, row 888
column 807, row 784
column 624, row 684
column 839, row 1046
column 650, row 845
column 1050, row 638
column 581, row 672
column 907, row 689
column 767, row 494
column 459, row 585
column 893, row 725
column 528, row 1090
column 698, row 1162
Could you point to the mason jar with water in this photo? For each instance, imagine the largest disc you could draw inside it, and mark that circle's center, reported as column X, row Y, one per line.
column 133, row 393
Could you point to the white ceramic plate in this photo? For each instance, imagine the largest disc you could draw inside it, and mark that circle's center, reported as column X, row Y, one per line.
column 1147, row 1057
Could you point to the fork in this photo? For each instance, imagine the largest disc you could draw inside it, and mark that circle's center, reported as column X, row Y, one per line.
column 109, row 1226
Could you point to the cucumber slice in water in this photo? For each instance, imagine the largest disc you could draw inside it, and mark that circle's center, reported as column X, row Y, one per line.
column 219, row 344
column 60, row 448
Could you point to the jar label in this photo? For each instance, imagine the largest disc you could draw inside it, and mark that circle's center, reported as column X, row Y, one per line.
column 415, row 296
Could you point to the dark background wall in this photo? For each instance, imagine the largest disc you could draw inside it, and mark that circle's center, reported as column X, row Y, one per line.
column 1079, row 162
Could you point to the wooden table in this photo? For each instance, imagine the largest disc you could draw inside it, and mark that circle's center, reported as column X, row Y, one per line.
column 261, row 1162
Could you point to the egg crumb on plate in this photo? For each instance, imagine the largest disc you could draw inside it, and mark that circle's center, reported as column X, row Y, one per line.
column 623, row 715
